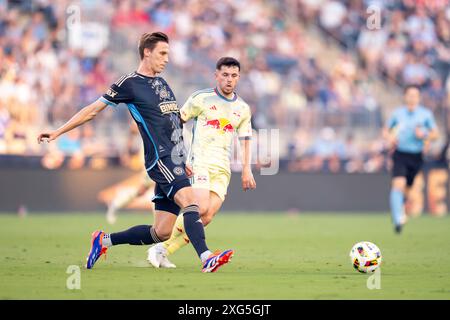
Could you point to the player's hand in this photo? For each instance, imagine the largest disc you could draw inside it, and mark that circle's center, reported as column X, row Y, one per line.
column 248, row 182
column 420, row 133
column 47, row 137
column 189, row 171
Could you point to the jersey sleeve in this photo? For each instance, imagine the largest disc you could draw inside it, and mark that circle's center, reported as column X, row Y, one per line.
column 120, row 91
column 244, row 130
column 392, row 121
column 191, row 108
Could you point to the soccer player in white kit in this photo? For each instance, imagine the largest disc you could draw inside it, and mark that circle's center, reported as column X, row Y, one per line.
column 218, row 114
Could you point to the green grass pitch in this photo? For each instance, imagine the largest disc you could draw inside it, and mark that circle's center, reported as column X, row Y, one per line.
column 278, row 256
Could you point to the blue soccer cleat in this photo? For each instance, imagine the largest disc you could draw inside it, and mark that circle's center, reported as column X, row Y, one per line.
column 216, row 260
column 97, row 249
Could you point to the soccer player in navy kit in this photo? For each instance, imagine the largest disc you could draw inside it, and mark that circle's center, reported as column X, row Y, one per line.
column 154, row 108
column 407, row 130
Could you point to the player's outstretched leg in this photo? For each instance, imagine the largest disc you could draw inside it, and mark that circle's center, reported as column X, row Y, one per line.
column 194, row 229
column 210, row 202
column 193, row 226
column 137, row 235
column 158, row 254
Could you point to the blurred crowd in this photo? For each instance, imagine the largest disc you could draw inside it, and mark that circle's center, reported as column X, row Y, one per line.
column 43, row 81
column 406, row 41
column 403, row 42
column 47, row 73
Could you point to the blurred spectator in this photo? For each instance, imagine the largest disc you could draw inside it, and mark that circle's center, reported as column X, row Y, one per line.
column 371, row 43
column 434, row 95
column 393, row 59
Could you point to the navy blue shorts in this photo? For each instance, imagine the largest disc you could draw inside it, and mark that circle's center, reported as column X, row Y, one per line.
column 169, row 178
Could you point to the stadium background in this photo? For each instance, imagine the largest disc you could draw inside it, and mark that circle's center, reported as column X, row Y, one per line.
column 312, row 69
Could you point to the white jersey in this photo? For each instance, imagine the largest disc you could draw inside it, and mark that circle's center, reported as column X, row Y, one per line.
column 216, row 120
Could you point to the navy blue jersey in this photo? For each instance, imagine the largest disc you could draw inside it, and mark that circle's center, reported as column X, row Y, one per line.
column 153, row 106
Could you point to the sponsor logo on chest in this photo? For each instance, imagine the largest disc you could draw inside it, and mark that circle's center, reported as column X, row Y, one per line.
column 168, row 107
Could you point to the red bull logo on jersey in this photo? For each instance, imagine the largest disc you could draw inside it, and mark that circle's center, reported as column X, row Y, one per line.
column 222, row 124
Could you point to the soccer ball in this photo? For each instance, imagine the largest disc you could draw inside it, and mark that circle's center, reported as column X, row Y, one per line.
column 365, row 257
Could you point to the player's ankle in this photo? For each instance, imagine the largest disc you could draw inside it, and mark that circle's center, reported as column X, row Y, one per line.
column 205, row 255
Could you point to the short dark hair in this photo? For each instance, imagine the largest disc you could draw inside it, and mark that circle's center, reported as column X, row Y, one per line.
column 149, row 41
column 411, row 86
column 229, row 62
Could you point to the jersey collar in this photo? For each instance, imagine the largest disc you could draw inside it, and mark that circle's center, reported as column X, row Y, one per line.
column 143, row 75
column 225, row 98
column 414, row 111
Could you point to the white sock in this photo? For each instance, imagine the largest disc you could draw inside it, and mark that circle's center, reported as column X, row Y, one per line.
column 205, row 255
column 106, row 241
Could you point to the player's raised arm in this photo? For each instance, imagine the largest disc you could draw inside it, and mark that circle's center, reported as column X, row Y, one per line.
column 84, row 115
column 120, row 91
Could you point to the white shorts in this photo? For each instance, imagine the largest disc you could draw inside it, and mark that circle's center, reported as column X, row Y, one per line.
column 213, row 179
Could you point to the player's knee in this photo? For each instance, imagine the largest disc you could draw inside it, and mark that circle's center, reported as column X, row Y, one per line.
column 399, row 189
column 163, row 233
column 185, row 197
column 203, row 211
column 206, row 219
column 399, row 184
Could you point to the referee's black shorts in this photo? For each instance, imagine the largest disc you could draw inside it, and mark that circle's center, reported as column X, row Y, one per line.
column 407, row 165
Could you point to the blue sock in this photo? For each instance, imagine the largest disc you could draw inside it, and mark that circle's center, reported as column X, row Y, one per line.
column 194, row 228
column 397, row 201
column 136, row 236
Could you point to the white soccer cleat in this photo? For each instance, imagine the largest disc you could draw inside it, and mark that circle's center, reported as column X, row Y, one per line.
column 157, row 256
column 111, row 215
column 165, row 263
column 154, row 257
